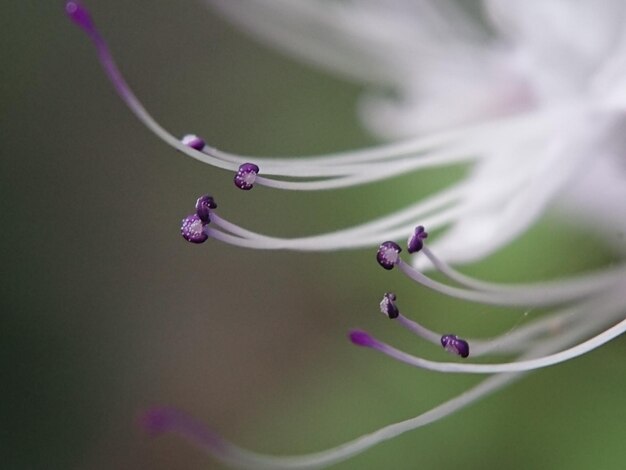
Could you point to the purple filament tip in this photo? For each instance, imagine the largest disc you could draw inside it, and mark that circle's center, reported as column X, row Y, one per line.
column 193, row 141
column 79, row 15
column 192, row 229
column 246, row 175
column 204, row 205
column 159, row 420
column 388, row 305
column 416, row 241
column 362, row 338
column 388, row 254
column 455, row 345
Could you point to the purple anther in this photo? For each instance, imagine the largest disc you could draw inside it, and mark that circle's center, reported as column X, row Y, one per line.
column 204, row 204
column 416, row 241
column 455, row 345
column 388, row 305
column 388, row 254
column 246, row 175
column 193, row 141
column 362, row 338
column 79, row 15
column 192, row 229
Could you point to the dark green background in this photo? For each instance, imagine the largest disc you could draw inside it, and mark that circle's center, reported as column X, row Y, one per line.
column 106, row 311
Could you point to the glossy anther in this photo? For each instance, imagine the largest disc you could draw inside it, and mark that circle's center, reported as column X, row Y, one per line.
column 455, row 345
column 192, row 229
column 388, row 254
column 246, row 176
column 416, row 241
column 388, row 305
column 204, row 204
column 193, row 141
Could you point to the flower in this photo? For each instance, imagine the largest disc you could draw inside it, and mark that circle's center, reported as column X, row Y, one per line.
column 535, row 110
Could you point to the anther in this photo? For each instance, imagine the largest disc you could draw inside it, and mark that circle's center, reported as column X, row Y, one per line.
column 388, row 305
column 193, row 141
column 246, row 175
column 192, row 229
column 416, row 241
column 455, row 345
column 388, row 254
column 204, row 204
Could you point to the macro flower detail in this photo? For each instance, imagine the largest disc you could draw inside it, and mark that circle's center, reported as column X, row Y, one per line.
column 455, row 345
column 193, row 141
column 533, row 110
column 388, row 254
column 246, row 176
column 204, row 205
column 416, row 241
column 192, row 229
column 388, row 306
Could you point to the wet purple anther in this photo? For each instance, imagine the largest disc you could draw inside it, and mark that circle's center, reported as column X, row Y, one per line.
column 388, row 254
column 204, row 204
column 388, row 305
column 79, row 15
column 193, row 141
column 362, row 338
column 246, row 176
column 192, row 229
column 416, row 241
column 455, row 345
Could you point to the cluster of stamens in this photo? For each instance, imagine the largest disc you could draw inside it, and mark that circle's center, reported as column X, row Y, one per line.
column 388, row 256
column 565, row 333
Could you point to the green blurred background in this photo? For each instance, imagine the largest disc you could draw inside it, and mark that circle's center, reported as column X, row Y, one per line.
column 107, row 311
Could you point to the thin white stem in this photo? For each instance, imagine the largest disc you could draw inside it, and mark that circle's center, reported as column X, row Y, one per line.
column 379, row 226
column 419, row 330
column 526, row 295
column 238, row 457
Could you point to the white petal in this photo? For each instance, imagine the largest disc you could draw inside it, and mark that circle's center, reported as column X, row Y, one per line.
column 534, row 175
column 559, row 42
column 598, row 198
column 364, row 40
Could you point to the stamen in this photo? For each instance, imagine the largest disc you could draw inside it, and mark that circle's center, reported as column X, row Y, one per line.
column 388, row 306
column 515, row 366
column 192, row 229
column 388, row 254
column 246, row 176
column 194, row 142
column 204, row 205
column 467, row 144
column 416, row 241
column 161, row 420
column 451, row 343
column 455, row 345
